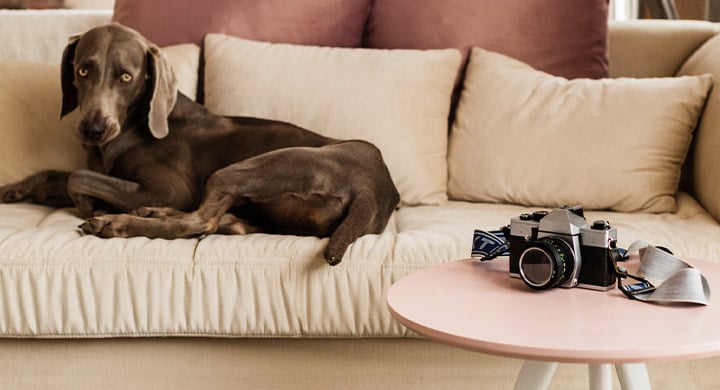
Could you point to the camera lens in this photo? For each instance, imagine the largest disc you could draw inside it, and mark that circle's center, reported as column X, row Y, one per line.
column 546, row 263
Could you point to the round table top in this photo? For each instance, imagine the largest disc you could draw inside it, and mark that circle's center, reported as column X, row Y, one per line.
column 477, row 306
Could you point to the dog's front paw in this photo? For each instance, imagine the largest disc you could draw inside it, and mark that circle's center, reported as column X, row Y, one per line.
column 104, row 226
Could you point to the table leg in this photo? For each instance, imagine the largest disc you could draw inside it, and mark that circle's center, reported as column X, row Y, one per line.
column 633, row 376
column 535, row 375
column 601, row 376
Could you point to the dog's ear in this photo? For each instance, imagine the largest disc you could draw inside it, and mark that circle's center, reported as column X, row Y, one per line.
column 163, row 91
column 67, row 77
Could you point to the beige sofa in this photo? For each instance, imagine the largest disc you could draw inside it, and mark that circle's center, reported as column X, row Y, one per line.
column 264, row 311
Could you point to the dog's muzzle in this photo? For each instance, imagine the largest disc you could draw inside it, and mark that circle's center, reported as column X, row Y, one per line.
column 93, row 131
column 97, row 130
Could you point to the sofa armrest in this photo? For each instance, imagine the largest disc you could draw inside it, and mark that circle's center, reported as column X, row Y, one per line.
column 704, row 162
column 654, row 48
column 665, row 48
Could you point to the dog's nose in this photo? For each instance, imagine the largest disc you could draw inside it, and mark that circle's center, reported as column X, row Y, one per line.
column 93, row 131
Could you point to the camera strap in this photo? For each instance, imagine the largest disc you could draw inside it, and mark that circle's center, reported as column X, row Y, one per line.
column 489, row 245
column 677, row 281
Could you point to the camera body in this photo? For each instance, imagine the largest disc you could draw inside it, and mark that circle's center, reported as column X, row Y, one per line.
column 559, row 248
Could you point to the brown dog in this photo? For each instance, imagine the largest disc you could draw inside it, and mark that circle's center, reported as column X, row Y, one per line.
column 178, row 170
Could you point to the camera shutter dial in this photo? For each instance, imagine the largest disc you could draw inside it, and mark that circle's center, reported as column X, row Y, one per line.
column 600, row 224
column 538, row 215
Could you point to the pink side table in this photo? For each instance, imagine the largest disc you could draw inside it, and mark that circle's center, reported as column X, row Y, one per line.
column 477, row 306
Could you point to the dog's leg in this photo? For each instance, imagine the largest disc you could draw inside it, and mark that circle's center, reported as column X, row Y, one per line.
column 360, row 216
column 156, row 212
column 165, row 223
column 48, row 188
column 231, row 225
column 87, row 187
column 168, row 223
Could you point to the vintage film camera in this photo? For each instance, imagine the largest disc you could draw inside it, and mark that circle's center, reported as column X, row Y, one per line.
column 559, row 248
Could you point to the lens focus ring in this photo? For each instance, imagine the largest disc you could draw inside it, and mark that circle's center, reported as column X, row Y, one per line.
column 546, row 263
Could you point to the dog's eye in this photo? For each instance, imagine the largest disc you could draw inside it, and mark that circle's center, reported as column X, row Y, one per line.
column 82, row 72
column 126, row 77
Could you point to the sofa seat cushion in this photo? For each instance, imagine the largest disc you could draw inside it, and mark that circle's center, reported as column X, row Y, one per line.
column 54, row 282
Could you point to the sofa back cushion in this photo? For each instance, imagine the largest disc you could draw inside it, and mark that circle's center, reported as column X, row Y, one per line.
column 41, row 35
column 525, row 137
column 397, row 99
column 317, row 22
column 562, row 37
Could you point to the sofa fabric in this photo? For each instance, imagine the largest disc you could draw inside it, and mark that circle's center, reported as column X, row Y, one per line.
column 229, row 364
column 542, row 140
column 319, row 22
column 668, row 43
column 561, row 37
column 705, row 161
column 396, row 99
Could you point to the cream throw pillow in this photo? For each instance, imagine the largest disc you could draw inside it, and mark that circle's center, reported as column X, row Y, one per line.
column 185, row 61
column 32, row 138
column 522, row 136
column 396, row 99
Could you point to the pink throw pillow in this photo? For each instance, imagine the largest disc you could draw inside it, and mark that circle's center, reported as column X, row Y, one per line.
column 318, row 22
column 565, row 38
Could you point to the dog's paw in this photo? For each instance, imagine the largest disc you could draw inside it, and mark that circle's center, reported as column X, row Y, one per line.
column 333, row 257
column 335, row 250
column 333, row 260
column 12, row 194
column 105, row 226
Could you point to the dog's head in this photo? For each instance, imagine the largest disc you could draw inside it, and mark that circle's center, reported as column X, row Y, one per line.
column 112, row 74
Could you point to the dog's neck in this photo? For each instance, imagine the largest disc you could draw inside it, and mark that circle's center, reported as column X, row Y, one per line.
column 129, row 137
